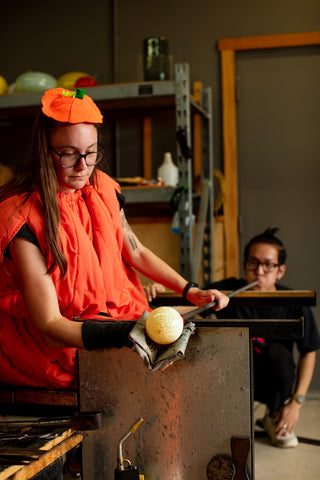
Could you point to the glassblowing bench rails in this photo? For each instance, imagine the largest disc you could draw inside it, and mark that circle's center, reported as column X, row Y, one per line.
column 27, row 450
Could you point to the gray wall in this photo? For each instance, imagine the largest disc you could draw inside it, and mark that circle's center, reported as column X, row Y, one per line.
column 79, row 36
column 56, row 38
column 279, row 168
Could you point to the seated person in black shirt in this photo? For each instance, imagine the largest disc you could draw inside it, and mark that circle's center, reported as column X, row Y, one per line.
column 278, row 382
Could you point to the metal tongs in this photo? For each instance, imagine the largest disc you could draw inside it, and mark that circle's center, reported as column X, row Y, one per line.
column 192, row 313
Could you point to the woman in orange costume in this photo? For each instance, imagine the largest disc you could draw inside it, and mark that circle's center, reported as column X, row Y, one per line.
column 67, row 251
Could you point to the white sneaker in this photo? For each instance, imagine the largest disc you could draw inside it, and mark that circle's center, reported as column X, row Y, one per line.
column 289, row 440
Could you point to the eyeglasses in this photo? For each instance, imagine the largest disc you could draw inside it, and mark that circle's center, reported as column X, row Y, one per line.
column 253, row 264
column 69, row 160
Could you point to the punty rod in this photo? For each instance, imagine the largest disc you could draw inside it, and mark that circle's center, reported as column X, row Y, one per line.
column 196, row 311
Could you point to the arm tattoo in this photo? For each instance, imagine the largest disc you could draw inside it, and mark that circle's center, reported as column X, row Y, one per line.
column 124, row 222
column 131, row 236
column 132, row 242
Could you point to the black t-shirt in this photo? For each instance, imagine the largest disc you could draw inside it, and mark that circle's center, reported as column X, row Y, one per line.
column 26, row 233
column 311, row 339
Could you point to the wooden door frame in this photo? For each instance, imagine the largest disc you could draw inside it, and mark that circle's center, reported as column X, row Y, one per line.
column 228, row 48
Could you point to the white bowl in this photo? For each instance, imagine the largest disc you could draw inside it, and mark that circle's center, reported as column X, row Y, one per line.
column 35, row 82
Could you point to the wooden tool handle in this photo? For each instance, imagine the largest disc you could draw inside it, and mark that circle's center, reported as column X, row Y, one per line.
column 240, row 448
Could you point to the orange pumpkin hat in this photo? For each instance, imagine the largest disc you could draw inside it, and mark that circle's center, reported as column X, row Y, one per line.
column 71, row 107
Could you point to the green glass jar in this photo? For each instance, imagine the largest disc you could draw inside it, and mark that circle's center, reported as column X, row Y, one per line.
column 155, row 58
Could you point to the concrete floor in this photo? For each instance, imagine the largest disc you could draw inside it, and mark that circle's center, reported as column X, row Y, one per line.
column 300, row 463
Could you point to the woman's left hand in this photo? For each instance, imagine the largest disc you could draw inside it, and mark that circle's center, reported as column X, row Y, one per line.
column 202, row 297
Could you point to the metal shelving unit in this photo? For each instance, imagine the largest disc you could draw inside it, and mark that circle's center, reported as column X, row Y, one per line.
column 190, row 258
column 175, row 94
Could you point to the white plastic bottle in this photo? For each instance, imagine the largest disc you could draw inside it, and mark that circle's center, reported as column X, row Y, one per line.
column 168, row 171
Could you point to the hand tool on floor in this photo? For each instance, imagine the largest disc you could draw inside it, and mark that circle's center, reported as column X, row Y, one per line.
column 130, row 472
column 311, row 441
column 196, row 311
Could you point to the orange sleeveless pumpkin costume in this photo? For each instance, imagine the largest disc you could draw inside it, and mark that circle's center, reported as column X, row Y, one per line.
column 98, row 280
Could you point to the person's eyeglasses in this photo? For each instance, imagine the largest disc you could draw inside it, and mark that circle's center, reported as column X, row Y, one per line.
column 253, row 264
column 69, row 160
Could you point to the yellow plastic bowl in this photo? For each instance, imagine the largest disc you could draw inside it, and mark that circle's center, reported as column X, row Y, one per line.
column 3, row 86
column 68, row 80
column 35, row 82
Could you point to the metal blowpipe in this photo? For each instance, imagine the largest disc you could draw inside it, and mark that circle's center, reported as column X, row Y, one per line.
column 187, row 316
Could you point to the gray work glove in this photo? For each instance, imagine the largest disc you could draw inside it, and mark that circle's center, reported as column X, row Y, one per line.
column 156, row 356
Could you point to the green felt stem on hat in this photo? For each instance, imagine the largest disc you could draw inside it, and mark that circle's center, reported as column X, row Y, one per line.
column 80, row 92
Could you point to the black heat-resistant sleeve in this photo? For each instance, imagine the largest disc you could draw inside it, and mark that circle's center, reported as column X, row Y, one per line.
column 106, row 334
